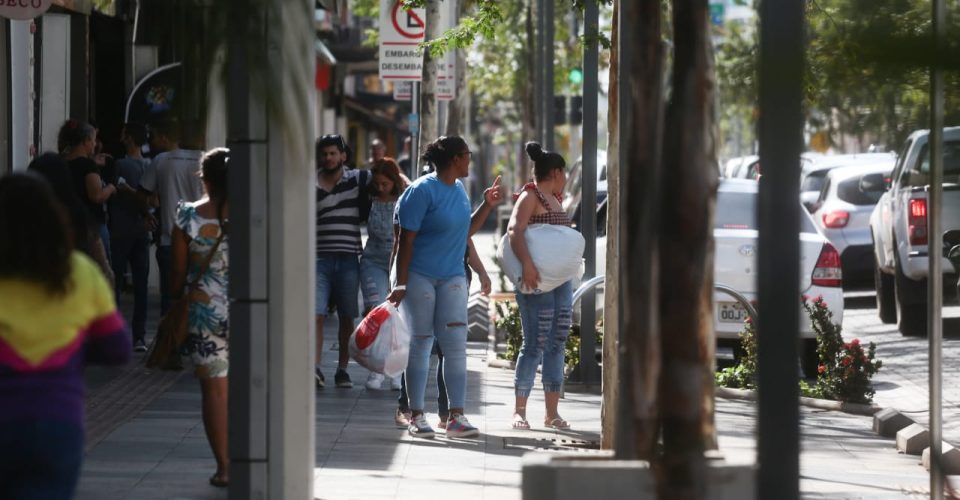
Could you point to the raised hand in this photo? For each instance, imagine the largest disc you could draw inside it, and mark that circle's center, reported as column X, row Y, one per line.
column 493, row 195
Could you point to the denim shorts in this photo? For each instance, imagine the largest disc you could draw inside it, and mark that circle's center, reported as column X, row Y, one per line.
column 338, row 284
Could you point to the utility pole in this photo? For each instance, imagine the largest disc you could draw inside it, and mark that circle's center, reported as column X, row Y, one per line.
column 935, row 262
column 781, row 141
column 546, row 64
column 589, row 371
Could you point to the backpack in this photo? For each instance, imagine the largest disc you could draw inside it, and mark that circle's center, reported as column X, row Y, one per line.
column 365, row 201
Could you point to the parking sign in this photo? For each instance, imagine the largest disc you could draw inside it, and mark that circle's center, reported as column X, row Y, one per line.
column 401, row 30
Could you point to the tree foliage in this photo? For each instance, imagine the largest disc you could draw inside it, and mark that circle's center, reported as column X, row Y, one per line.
column 867, row 73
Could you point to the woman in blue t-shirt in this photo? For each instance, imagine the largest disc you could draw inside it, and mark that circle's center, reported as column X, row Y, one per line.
column 435, row 222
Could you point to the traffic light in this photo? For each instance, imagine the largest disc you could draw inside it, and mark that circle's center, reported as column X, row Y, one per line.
column 575, row 76
column 576, row 110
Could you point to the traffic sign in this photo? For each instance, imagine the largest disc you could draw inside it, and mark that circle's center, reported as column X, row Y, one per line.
column 401, row 30
column 402, row 90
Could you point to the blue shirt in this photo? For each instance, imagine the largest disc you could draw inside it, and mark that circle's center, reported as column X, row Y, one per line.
column 440, row 215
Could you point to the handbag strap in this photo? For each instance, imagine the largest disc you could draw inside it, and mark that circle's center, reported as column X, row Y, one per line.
column 207, row 260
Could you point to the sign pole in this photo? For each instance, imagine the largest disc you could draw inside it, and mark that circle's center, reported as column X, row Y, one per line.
column 415, row 131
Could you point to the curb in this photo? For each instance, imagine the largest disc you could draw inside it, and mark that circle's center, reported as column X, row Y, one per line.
column 820, row 404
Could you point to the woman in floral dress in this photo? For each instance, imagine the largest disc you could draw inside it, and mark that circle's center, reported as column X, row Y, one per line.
column 198, row 228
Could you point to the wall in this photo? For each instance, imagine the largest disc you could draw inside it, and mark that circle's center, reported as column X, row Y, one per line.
column 4, row 98
column 54, row 85
column 21, row 100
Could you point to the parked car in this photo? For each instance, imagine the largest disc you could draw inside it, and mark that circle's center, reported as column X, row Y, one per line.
column 814, row 172
column 573, row 191
column 734, row 165
column 735, row 235
column 898, row 226
column 842, row 212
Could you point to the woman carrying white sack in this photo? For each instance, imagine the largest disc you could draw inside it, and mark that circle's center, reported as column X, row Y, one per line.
column 545, row 315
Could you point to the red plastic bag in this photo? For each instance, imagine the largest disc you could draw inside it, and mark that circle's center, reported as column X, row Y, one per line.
column 381, row 343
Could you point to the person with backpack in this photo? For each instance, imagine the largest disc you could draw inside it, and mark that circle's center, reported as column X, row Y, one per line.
column 342, row 204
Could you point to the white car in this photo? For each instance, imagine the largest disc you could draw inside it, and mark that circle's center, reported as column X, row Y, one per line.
column 735, row 265
column 842, row 212
column 814, row 172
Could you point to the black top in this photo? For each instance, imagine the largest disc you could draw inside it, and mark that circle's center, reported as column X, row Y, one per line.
column 80, row 168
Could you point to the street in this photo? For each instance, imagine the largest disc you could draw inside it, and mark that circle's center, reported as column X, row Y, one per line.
column 902, row 381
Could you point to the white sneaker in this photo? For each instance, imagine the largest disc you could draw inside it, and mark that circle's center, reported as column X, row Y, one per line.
column 374, row 381
column 395, row 383
column 420, row 428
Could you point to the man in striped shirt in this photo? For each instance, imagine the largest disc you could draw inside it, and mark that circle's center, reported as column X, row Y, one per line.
column 340, row 194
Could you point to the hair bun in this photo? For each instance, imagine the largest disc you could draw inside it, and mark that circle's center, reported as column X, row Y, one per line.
column 534, row 151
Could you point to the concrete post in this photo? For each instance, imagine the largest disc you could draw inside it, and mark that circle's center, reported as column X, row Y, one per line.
column 272, row 179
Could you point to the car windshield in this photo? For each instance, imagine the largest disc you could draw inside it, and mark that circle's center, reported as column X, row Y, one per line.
column 738, row 210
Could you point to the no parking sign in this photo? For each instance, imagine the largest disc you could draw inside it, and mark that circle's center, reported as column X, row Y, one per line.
column 401, row 30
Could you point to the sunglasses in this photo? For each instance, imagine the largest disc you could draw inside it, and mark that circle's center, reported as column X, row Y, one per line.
column 337, row 138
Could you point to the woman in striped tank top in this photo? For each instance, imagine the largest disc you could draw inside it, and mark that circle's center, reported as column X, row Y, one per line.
column 546, row 317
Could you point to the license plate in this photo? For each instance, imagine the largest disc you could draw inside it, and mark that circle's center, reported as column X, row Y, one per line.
column 731, row 312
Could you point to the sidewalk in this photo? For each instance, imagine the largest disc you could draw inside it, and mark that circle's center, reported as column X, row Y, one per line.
column 147, row 440
column 162, row 452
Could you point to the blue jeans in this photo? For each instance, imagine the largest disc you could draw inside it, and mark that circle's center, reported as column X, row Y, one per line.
column 136, row 252
column 164, row 263
column 374, row 283
column 437, row 309
column 40, row 459
column 338, row 280
column 443, row 406
column 546, row 319
column 104, row 233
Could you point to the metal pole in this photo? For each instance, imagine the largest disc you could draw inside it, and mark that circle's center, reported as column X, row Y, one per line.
column 589, row 370
column 781, row 127
column 415, row 130
column 538, row 76
column 935, row 262
column 548, row 104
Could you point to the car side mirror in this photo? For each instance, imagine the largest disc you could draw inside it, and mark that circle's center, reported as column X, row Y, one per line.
column 873, row 183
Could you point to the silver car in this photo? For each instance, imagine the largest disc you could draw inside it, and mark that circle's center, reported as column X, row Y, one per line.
column 842, row 212
column 814, row 172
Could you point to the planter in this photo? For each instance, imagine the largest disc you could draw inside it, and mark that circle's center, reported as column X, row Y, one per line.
column 576, row 476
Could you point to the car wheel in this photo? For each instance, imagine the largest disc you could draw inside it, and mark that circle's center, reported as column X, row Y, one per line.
column 886, row 301
column 809, row 359
column 911, row 304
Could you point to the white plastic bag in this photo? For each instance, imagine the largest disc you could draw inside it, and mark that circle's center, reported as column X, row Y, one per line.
column 557, row 252
column 381, row 343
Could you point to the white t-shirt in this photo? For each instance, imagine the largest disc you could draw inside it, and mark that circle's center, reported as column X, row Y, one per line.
column 173, row 176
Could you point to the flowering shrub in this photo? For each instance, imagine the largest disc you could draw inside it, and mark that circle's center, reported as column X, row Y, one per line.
column 508, row 320
column 744, row 374
column 844, row 371
column 845, row 367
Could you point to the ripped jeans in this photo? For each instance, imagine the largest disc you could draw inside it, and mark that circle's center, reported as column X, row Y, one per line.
column 437, row 308
column 546, row 319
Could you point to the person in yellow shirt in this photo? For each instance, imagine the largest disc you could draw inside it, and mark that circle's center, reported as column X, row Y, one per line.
column 57, row 314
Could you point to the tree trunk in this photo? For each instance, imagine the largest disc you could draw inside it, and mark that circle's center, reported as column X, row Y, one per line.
column 429, row 120
column 688, row 188
column 611, row 335
column 641, row 96
column 455, row 112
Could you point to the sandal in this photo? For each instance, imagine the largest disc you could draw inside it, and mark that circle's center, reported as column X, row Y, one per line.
column 520, row 423
column 558, row 424
column 218, row 481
